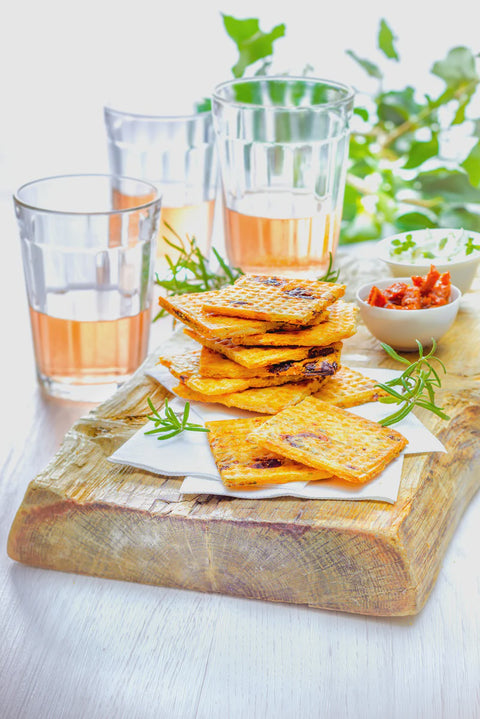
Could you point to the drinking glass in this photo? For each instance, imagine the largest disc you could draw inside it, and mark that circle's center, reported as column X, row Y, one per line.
column 283, row 147
column 177, row 154
column 88, row 268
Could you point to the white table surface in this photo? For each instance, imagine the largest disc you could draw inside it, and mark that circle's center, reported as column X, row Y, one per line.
column 74, row 646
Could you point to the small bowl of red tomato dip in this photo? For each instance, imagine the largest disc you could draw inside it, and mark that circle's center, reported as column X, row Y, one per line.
column 403, row 310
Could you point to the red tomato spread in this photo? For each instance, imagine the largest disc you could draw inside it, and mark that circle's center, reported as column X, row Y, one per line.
column 432, row 290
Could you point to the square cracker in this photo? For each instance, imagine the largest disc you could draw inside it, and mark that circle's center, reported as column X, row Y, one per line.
column 243, row 463
column 340, row 324
column 320, row 435
column 256, row 357
column 182, row 357
column 188, row 308
column 348, row 388
column 265, row 400
column 274, row 299
column 213, row 364
column 212, row 386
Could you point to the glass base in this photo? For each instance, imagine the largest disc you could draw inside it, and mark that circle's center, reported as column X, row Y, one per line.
column 94, row 391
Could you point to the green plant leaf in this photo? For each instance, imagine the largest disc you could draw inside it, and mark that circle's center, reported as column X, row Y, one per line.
column 472, row 165
column 351, row 202
column 252, row 43
column 370, row 68
column 414, row 221
column 362, row 112
column 392, row 112
column 397, row 106
column 458, row 67
column 240, row 30
column 421, row 151
column 451, row 185
column 385, row 41
column 461, row 109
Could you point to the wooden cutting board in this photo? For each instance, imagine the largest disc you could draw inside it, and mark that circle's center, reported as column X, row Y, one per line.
column 85, row 515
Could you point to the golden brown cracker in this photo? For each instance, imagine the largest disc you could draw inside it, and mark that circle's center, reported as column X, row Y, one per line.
column 213, row 364
column 340, row 324
column 212, row 386
column 265, row 400
column 188, row 308
column 243, row 463
column 327, row 437
column 274, row 299
column 348, row 388
column 253, row 357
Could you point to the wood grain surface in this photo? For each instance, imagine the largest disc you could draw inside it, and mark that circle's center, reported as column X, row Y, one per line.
column 84, row 515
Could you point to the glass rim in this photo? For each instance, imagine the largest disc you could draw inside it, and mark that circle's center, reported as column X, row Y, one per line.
column 86, row 213
column 333, row 84
column 152, row 117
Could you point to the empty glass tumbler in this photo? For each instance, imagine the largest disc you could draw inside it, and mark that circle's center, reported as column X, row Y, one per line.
column 177, row 154
column 283, row 149
column 88, row 268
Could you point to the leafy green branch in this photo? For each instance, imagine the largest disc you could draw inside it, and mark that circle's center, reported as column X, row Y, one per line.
column 415, row 387
column 399, row 178
column 170, row 424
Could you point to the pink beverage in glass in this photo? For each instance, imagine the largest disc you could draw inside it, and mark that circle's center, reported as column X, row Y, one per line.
column 283, row 148
column 89, row 277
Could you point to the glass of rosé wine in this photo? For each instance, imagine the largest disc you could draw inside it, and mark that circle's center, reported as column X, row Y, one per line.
column 282, row 143
column 177, row 154
column 88, row 265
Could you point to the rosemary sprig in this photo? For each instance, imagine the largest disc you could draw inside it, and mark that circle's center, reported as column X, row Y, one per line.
column 330, row 275
column 415, row 387
column 171, row 424
column 191, row 270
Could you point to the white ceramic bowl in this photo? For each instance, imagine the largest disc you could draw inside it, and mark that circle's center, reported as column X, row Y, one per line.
column 462, row 270
column 401, row 328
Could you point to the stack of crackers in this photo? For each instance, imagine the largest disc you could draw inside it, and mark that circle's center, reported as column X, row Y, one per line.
column 265, row 344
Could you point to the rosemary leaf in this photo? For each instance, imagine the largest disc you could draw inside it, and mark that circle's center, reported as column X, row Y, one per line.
column 330, row 275
column 415, row 387
column 171, row 424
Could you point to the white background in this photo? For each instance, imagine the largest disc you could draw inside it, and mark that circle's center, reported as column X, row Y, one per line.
column 61, row 61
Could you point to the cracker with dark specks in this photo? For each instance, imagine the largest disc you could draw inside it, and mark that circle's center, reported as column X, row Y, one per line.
column 213, row 364
column 349, row 388
column 340, row 324
column 321, row 435
column 264, row 400
column 188, row 308
column 274, row 299
column 257, row 357
column 244, row 464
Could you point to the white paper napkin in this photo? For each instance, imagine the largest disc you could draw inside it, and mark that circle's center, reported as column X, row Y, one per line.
column 188, row 454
